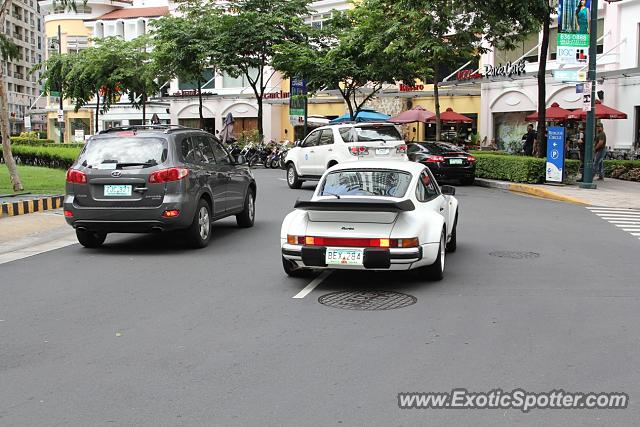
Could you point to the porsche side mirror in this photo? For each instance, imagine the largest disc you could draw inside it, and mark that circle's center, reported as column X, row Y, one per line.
column 448, row 190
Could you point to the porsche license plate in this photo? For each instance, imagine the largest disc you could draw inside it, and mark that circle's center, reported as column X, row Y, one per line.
column 455, row 161
column 117, row 190
column 343, row 256
column 382, row 151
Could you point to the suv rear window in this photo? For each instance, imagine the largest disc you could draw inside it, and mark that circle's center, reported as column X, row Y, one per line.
column 117, row 153
column 370, row 133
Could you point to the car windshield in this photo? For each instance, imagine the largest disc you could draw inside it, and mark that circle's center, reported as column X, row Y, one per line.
column 120, row 152
column 389, row 183
column 370, row 133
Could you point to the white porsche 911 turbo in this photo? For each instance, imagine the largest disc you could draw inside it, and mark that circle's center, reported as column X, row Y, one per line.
column 376, row 215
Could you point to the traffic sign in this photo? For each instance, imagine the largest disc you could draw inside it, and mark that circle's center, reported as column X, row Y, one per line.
column 586, row 97
column 60, row 116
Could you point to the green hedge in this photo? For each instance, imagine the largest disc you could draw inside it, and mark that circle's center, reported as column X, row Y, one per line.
column 51, row 156
column 17, row 140
column 517, row 168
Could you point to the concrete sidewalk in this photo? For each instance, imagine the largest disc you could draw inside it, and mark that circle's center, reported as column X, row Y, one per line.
column 613, row 193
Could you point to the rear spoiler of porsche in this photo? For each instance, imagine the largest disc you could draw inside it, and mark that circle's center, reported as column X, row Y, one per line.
column 359, row 205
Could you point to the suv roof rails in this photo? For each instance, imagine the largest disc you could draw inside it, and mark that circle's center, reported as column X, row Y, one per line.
column 166, row 128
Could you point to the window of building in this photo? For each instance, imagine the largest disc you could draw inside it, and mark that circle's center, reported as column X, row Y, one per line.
column 240, row 81
column 318, row 20
column 207, row 81
column 504, row 56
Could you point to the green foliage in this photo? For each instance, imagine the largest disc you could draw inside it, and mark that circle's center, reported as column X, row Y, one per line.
column 56, row 157
column 8, row 49
column 21, row 140
column 34, row 134
column 628, row 170
column 36, row 180
column 516, row 168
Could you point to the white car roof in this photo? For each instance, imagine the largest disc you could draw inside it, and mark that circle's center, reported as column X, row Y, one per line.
column 358, row 124
column 402, row 165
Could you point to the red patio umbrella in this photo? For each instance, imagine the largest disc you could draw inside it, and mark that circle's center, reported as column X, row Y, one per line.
column 602, row 112
column 553, row 114
column 451, row 116
column 416, row 114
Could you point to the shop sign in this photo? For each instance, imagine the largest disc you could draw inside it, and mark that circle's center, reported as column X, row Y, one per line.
column 407, row 88
column 555, row 153
column 27, row 121
column 78, row 135
column 186, row 92
column 506, row 70
column 60, row 116
column 572, row 55
column 573, row 31
column 569, row 75
column 276, row 95
column 468, row 75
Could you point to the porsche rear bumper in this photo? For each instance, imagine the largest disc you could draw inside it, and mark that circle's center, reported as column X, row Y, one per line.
column 374, row 258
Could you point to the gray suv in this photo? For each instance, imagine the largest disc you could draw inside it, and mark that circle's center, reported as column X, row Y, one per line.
column 154, row 178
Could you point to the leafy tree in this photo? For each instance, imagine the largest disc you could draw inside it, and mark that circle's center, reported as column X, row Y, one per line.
column 429, row 34
column 245, row 34
column 182, row 48
column 346, row 55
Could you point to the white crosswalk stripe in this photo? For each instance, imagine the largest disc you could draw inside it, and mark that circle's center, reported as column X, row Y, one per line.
column 626, row 219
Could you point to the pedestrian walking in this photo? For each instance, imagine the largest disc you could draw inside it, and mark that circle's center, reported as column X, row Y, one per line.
column 601, row 151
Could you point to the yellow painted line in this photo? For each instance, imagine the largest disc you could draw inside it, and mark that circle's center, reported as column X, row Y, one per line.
column 545, row 194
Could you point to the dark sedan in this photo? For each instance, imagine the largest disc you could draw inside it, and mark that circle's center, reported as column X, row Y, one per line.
column 446, row 161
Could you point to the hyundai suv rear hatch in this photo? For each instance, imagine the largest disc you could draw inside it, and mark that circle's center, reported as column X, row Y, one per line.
column 119, row 172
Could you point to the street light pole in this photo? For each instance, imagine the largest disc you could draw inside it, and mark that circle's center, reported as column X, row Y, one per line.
column 587, row 176
column 61, row 107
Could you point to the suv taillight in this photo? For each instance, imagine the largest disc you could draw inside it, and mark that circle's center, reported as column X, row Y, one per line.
column 168, row 175
column 359, row 151
column 402, row 149
column 75, row 176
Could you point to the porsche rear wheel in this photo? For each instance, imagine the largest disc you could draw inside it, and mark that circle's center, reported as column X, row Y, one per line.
column 435, row 271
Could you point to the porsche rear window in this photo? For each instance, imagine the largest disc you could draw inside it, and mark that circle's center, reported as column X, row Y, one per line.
column 388, row 183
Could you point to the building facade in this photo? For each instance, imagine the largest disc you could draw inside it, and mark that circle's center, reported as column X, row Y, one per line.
column 97, row 19
column 508, row 99
column 25, row 27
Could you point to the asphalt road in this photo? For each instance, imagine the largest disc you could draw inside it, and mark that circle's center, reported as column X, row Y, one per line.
column 146, row 332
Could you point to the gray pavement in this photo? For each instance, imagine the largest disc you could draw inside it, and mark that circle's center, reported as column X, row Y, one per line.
column 147, row 332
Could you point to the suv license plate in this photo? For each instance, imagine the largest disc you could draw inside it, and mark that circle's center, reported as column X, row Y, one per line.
column 337, row 256
column 455, row 161
column 382, row 151
column 117, row 190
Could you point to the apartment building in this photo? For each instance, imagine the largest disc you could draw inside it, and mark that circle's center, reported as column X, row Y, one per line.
column 25, row 27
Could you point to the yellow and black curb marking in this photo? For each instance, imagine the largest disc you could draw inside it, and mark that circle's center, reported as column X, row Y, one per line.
column 30, row 206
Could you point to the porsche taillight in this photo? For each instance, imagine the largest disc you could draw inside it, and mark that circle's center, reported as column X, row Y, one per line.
column 351, row 242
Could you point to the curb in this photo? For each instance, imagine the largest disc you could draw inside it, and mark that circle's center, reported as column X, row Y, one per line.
column 29, row 206
column 531, row 190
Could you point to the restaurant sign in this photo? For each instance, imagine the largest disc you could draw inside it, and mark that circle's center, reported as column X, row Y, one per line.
column 507, row 70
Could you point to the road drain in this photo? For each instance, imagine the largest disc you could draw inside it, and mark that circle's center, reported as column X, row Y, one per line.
column 367, row 300
column 515, row 254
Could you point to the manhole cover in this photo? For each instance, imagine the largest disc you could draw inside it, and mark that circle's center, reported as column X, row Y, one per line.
column 367, row 300
column 515, row 254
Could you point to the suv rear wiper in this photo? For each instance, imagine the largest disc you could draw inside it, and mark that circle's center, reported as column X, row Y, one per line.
column 331, row 194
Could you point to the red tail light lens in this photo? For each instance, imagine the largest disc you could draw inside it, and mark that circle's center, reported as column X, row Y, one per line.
column 435, row 159
column 68, row 214
column 168, row 175
column 471, row 159
column 171, row 213
column 359, row 151
column 353, row 242
column 75, row 176
column 402, row 149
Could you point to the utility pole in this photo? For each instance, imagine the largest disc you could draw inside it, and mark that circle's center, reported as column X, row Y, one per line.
column 587, row 177
column 61, row 109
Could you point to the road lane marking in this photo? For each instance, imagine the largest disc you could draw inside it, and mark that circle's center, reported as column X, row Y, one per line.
column 626, row 219
column 311, row 286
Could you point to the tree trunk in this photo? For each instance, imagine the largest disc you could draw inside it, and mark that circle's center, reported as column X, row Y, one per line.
column 16, row 184
column 6, row 140
column 542, row 85
column 97, row 111
column 144, row 108
column 259, row 96
column 200, row 103
column 436, row 100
